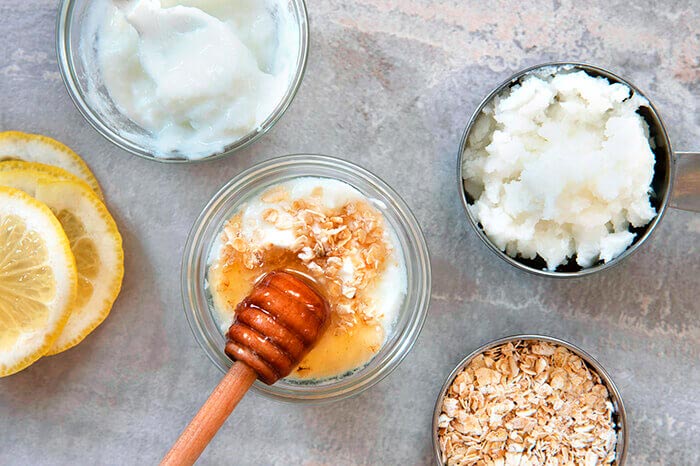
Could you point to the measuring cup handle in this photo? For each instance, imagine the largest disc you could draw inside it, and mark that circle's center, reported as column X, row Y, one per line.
column 686, row 189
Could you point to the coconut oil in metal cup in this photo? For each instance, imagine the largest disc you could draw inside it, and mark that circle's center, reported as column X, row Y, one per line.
column 676, row 181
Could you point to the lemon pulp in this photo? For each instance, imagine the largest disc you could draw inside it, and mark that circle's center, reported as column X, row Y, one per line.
column 27, row 284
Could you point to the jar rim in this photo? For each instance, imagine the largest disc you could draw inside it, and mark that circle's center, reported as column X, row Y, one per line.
column 229, row 197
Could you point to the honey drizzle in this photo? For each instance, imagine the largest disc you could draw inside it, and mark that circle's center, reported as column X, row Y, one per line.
column 352, row 338
column 339, row 350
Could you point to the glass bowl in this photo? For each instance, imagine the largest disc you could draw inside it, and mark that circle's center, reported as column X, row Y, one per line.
column 197, row 299
column 82, row 78
column 618, row 408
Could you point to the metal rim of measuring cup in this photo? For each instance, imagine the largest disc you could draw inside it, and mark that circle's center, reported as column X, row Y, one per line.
column 648, row 229
column 619, row 412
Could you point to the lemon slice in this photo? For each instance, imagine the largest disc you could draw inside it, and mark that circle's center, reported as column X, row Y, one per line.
column 94, row 241
column 38, row 280
column 52, row 171
column 15, row 145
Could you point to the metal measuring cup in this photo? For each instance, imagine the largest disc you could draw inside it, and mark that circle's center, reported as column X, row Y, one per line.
column 618, row 407
column 676, row 181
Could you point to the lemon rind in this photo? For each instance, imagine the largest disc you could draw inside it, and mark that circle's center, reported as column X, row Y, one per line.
column 105, row 292
column 68, row 157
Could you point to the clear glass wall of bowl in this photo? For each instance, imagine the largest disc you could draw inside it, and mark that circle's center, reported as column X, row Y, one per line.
column 197, row 299
column 81, row 74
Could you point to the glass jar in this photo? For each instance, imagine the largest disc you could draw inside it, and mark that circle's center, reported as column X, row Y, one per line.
column 197, row 298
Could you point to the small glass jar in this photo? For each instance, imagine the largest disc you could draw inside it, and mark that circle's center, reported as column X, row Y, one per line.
column 81, row 74
column 199, row 308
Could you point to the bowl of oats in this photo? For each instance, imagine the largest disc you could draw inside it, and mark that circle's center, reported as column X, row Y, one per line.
column 529, row 400
column 337, row 226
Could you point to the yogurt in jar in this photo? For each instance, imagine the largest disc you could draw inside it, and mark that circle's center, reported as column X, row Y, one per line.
column 330, row 233
column 197, row 74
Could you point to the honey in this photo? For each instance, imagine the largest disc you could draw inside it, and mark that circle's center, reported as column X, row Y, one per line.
column 340, row 350
column 332, row 235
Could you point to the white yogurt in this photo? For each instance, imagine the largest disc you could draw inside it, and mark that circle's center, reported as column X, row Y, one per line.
column 335, row 194
column 197, row 74
column 386, row 293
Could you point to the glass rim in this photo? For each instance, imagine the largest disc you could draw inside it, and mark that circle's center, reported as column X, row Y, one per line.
column 404, row 336
column 615, row 395
column 66, row 65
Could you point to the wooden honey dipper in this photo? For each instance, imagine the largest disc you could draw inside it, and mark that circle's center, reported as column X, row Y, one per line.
column 275, row 327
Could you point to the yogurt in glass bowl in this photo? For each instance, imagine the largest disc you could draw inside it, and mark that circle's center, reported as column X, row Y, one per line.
column 182, row 80
column 340, row 227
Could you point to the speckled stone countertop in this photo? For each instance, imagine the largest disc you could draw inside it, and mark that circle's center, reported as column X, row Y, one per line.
column 390, row 85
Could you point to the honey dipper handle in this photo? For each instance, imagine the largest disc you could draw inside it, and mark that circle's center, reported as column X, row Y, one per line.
column 211, row 416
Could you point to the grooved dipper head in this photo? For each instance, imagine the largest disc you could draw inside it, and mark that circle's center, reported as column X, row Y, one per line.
column 277, row 325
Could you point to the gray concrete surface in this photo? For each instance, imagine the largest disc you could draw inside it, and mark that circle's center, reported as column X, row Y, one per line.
column 390, row 85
